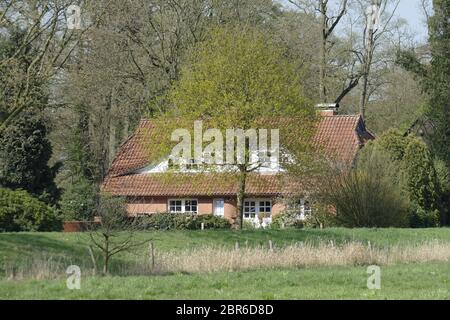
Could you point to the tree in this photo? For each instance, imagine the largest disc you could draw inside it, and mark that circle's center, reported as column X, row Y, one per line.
column 421, row 180
column 414, row 174
column 434, row 78
column 25, row 152
column 328, row 22
column 115, row 232
column 438, row 82
column 79, row 200
column 238, row 78
column 40, row 45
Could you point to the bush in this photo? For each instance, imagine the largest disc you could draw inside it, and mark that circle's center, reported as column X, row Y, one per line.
column 212, row 222
column 369, row 195
column 176, row 221
column 420, row 218
column 19, row 211
column 321, row 217
column 286, row 219
column 78, row 202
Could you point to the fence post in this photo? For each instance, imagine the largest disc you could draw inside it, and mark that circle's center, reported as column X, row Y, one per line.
column 202, row 226
column 152, row 255
column 236, row 245
column 270, row 245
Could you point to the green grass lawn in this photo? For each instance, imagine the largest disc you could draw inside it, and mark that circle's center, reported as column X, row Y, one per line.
column 428, row 280
column 16, row 246
column 410, row 281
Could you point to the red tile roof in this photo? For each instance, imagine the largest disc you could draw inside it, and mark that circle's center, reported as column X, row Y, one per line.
column 339, row 135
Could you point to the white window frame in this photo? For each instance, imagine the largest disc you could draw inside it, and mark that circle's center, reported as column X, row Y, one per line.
column 257, row 207
column 302, row 208
column 183, row 205
column 222, row 214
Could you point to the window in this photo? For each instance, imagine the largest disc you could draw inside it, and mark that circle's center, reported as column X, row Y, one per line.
column 254, row 207
column 183, row 206
column 218, row 207
column 302, row 208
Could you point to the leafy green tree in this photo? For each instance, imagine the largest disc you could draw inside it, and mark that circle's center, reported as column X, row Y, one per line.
column 435, row 78
column 420, row 175
column 24, row 155
column 410, row 168
column 438, row 82
column 238, row 78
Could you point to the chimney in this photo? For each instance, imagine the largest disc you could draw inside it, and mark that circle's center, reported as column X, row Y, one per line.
column 327, row 109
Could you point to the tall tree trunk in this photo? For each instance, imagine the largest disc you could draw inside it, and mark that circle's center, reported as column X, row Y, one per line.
column 323, row 53
column 240, row 198
column 366, row 72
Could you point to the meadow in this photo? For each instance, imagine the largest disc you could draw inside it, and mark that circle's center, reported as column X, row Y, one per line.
column 300, row 264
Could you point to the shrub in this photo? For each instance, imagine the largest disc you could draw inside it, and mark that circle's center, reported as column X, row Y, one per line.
column 159, row 221
column 286, row 219
column 212, row 222
column 78, row 202
column 176, row 221
column 410, row 166
column 365, row 200
column 321, row 217
column 369, row 195
column 19, row 211
column 421, row 218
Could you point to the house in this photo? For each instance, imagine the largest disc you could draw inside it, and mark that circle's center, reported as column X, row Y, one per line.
column 205, row 193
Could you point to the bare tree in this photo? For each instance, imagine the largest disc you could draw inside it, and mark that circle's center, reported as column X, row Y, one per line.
column 373, row 31
column 42, row 44
column 115, row 232
column 328, row 23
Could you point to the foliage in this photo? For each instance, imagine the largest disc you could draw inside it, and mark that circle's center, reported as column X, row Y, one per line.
column 19, row 211
column 176, row 221
column 211, row 221
column 321, row 217
column 159, row 221
column 286, row 219
column 78, row 202
column 24, row 155
column 409, row 164
column 443, row 176
column 237, row 78
column 419, row 218
column 438, row 80
column 421, row 180
column 367, row 196
column 364, row 199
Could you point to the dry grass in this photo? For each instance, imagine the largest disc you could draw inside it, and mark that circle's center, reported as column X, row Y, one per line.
column 41, row 267
column 300, row 255
column 213, row 259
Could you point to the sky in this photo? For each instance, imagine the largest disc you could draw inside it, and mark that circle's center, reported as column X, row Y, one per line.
column 411, row 11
